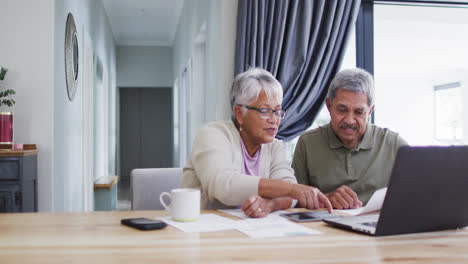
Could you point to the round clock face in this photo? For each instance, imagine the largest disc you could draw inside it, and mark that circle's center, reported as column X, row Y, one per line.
column 71, row 57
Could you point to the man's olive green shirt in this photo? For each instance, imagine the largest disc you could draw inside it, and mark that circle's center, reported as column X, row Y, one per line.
column 322, row 161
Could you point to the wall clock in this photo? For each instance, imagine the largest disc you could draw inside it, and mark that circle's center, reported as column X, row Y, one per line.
column 71, row 57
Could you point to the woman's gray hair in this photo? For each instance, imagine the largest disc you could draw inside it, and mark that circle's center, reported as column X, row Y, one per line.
column 354, row 80
column 247, row 86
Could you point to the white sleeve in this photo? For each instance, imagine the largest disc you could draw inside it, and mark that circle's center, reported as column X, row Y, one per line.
column 212, row 156
column 280, row 167
column 293, row 204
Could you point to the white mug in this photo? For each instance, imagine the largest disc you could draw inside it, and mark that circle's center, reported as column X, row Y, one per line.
column 185, row 204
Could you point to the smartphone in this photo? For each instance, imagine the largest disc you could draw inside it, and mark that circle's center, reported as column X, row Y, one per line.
column 309, row 216
column 143, row 223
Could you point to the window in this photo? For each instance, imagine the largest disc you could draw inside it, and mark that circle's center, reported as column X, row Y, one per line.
column 418, row 53
column 421, row 66
column 448, row 113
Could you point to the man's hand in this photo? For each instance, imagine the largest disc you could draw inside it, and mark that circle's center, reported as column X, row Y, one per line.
column 344, row 198
column 256, row 206
column 310, row 197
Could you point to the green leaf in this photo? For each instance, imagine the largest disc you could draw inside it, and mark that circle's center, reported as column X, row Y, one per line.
column 7, row 101
column 3, row 71
column 9, row 92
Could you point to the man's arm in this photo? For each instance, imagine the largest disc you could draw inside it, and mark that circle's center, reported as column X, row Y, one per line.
column 299, row 163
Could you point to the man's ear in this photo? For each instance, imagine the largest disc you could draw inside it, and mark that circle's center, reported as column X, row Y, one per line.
column 328, row 104
column 239, row 115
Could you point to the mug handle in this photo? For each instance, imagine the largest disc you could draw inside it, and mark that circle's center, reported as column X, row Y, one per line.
column 162, row 200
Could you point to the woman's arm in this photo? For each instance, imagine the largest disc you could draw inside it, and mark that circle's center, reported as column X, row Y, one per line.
column 308, row 197
column 282, row 182
column 256, row 206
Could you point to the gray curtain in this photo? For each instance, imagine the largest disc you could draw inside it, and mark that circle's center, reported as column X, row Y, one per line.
column 302, row 43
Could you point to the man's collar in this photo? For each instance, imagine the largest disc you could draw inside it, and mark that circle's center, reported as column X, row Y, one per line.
column 333, row 140
column 335, row 143
column 366, row 142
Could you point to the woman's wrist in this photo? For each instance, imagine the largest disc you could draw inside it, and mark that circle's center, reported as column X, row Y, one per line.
column 272, row 205
column 281, row 203
column 290, row 189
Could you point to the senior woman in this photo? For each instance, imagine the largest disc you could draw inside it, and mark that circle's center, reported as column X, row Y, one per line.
column 239, row 163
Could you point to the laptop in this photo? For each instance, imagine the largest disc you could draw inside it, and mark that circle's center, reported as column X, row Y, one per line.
column 427, row 192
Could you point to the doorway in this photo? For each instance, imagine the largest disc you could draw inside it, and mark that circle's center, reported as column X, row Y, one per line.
column 146, row 132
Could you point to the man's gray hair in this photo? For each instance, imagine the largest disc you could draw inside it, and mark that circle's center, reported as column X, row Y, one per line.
column 354, row 80
column 247, row 86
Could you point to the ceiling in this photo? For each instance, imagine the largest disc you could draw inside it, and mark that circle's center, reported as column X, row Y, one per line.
column 144, row 22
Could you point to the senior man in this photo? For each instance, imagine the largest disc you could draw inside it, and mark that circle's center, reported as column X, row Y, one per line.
column 347, row 159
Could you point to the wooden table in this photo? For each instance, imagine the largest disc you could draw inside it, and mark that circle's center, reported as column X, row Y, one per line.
column 98, row 237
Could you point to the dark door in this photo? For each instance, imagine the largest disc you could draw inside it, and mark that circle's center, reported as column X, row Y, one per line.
column 146, row 132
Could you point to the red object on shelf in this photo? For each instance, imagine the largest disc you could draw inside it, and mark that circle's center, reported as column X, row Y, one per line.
column 6, row 127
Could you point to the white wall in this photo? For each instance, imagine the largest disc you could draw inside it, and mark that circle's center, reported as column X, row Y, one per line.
column 68, row 119
column 32, row 47
column 27, row 50
column 142, row 66
column 211, row 101
column 33, row 50
column 228, row 19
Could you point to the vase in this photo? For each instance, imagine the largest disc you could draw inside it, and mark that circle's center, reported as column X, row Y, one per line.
column 6, row 127
column 6, row 122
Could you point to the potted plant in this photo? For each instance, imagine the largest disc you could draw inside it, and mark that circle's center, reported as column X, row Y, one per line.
column 5, row 96
column 6, row 117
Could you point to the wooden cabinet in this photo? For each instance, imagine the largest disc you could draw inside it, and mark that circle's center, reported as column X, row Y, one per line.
column 18, row 180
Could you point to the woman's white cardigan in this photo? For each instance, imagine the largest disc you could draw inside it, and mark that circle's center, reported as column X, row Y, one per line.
column 214, row 166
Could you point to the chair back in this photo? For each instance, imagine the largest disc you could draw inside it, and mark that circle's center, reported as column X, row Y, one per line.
column 147, row 184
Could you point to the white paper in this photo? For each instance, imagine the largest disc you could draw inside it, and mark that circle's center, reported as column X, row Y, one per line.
column 375, row 203
column 206, row 223
column 239, row 213
column 272, row 227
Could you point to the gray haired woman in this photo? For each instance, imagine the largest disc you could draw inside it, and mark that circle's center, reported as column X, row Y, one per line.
column 239, row 163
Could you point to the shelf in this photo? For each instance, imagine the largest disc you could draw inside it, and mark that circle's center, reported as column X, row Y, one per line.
column 28, row 150
column 106, row 182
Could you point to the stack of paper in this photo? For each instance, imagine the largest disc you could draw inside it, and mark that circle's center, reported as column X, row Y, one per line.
column 271, row 226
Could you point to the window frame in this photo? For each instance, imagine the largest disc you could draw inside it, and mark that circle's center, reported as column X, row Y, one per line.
column 365, row 29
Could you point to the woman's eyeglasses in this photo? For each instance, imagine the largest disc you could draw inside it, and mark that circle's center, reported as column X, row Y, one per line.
column 267, row 112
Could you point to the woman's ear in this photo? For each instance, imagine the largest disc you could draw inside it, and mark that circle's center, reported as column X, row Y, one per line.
column 239, row 115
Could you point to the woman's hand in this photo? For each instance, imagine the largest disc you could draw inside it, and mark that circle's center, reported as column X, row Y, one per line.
column 256, row 206
column 310, row 197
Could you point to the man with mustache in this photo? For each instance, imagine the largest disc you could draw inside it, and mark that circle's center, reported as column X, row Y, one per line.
column 347, row 159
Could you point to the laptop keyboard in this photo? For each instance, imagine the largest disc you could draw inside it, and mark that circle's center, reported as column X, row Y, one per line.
column 371, row 224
